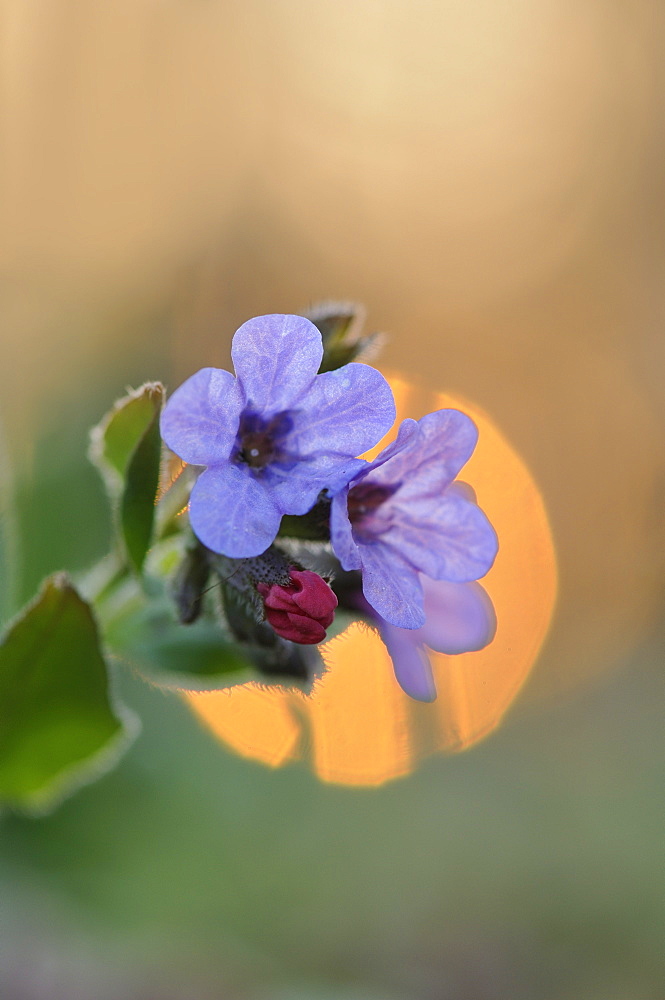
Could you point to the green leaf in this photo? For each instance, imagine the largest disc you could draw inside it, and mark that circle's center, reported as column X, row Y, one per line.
column 142, row 630
column 126, row 446
column 137, row 508
column 58, row 728
column 114, row 439
column 190, row 657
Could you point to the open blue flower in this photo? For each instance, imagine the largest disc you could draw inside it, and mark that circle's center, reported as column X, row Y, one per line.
column 459, row 618
column 402, row 515
column 275, row 435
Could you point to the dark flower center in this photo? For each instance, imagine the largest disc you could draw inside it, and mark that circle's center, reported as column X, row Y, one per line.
column 260, row 441
column 365, row 498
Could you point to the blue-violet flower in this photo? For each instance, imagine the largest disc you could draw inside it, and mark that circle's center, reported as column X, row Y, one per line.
column 402, row 515
column 275, row 435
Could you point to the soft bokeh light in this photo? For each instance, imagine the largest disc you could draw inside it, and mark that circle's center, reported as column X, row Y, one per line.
column 357, row 727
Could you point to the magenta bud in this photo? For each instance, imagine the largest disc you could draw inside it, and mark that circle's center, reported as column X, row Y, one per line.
column 301, row 611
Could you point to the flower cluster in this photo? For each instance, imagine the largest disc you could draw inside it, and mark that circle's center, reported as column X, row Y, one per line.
column 280, row 441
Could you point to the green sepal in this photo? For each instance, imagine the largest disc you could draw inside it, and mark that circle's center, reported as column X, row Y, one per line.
column 126, row 447
column 59, row 728
column 340, row 325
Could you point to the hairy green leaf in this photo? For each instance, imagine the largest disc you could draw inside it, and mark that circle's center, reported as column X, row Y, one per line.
column 126, row 446
column 58, row 727
column 114, row 439
column 137, row 507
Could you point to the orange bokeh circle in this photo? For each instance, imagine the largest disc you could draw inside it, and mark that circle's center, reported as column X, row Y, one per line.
column 356, row 726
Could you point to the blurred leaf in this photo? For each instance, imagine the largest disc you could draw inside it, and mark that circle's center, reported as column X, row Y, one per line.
column 340, row 325
column 336, row 321
column 142, row 629
column 8, row 537
column 58, row 728
column 126, row 446
column 192, row 657
column 189, row 582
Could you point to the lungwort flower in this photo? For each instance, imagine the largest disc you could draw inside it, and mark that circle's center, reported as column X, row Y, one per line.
column 403, row 515
column 272, row 438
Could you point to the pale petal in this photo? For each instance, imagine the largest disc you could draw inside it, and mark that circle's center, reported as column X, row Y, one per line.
column 460, row 617
column 329, row 472
column 410, row 663
column 427, row 456
column 291, row 494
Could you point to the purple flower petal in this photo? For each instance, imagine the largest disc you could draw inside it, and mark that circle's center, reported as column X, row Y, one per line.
column 447, row 538
column 296, row 491
column 232, row 512
column 463, row 490
column 460, row 617
column 276, row 359
column 331, row 472
column 292, row 495
column 200, row 420
column 348, row 411
column 410, row 663
column 392, row 587
column 406, row 431
column 427, row 456
column 341, row 536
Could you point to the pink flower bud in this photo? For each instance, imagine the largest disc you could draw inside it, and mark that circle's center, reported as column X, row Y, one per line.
column 301, row 611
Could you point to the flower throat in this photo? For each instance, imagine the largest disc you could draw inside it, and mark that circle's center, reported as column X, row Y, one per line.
column 260, row 442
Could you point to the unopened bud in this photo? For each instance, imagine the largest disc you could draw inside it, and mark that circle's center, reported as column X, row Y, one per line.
column 302, row 610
